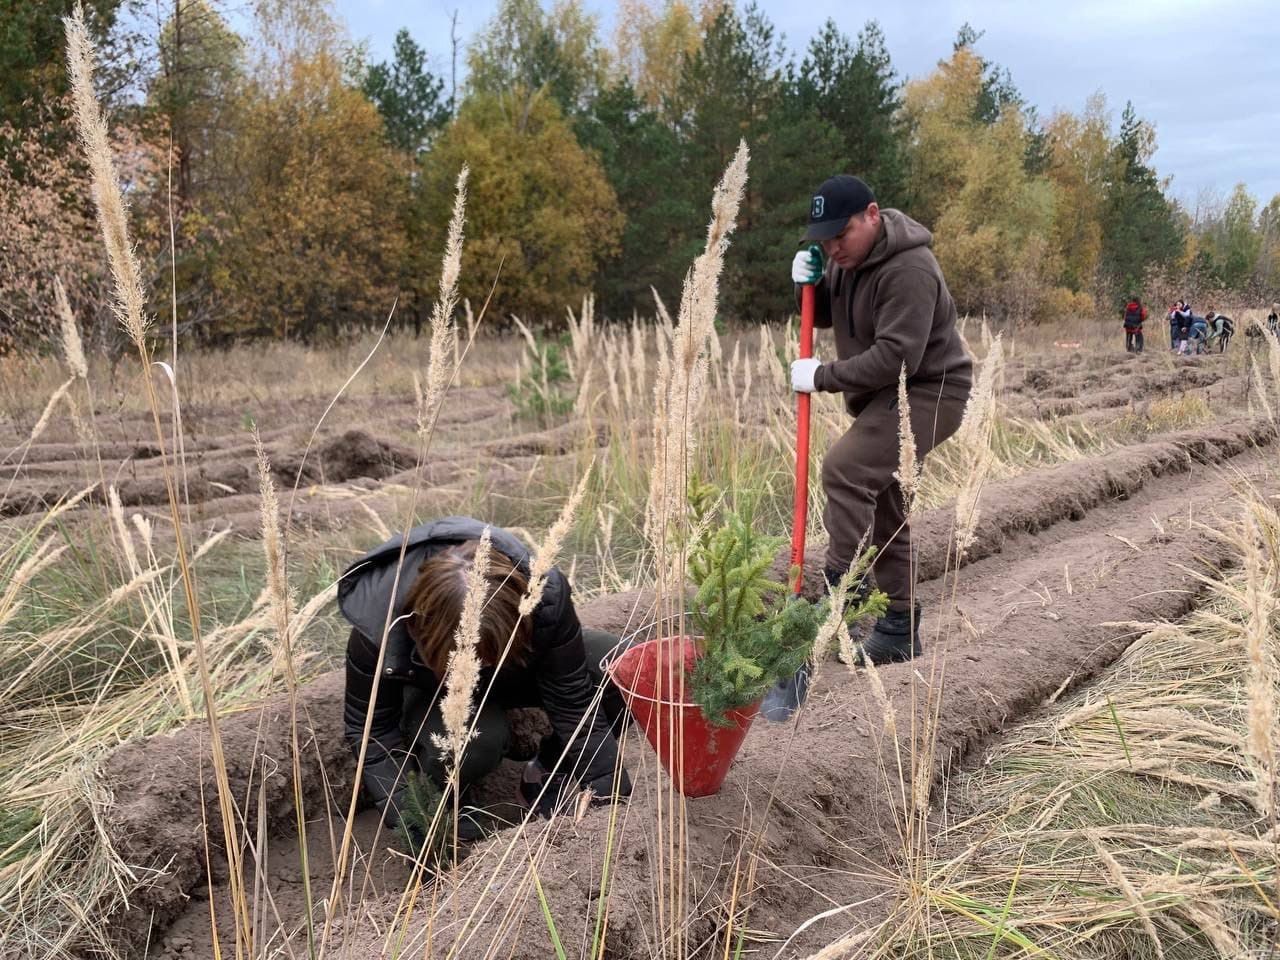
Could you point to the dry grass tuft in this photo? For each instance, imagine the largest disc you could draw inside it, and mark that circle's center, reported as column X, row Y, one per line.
column 1141, row 794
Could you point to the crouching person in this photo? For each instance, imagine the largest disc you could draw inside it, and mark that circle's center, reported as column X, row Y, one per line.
column 545, row 659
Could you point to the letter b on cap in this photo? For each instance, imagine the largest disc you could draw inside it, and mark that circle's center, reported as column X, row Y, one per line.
column 819, row 205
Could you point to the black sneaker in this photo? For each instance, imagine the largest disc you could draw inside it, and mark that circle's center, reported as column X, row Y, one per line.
column 894, row 639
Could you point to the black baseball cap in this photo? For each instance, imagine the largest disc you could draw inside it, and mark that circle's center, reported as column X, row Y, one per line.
column 836, row 201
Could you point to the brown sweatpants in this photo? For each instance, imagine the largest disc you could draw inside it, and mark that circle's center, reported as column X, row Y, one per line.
column 862, row 494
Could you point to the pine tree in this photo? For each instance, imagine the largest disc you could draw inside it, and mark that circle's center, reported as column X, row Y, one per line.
column 408, row 96
column 33, row 69
column 854, row 89
column 644, row 162
column 1141, row 230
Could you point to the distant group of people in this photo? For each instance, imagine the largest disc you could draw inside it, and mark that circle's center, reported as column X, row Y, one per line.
column 1189, row 332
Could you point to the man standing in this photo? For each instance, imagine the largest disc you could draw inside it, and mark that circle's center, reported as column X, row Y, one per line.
column 883, row 295
column 1135, row 314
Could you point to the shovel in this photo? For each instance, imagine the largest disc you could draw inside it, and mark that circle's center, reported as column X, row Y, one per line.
column 787, row 695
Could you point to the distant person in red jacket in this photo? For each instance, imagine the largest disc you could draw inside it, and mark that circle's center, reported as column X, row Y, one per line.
column 1134, row 314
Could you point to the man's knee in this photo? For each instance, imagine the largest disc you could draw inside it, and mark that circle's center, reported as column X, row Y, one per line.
column 844, row 472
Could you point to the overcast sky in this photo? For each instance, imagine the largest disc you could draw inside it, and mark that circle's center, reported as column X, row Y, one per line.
column 1205, row 72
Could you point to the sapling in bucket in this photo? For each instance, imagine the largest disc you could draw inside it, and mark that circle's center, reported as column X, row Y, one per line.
column 696, row 696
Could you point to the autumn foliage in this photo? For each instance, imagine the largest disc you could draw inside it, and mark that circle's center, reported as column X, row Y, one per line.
column 283, row 186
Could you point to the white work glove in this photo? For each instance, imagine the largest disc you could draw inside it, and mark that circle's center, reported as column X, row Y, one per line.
column 802, row 374
column 806, row 266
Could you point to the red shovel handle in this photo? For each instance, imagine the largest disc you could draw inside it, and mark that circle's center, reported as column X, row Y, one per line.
column 801, row 517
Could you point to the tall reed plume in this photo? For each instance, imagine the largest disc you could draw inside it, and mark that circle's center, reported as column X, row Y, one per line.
column 444, row 333
column 974, row 439
column 130, row 301
column 545, row 557
column 463, row 672
column 128, row 307
column 908, row 475
column 681, row 383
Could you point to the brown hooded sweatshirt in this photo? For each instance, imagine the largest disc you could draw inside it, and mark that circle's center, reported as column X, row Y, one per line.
column 892, row 309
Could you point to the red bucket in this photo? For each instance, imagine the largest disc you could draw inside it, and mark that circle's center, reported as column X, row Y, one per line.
column 696, row 753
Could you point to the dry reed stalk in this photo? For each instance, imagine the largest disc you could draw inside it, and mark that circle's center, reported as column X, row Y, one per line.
column 639, row 360
column 581, row 333
column 1273, row 357
column 531, row 342
column 1260, row 606
column 545, row 557
column 833, row 628
column 40, row 558
column 770, row 365
column 666, row 326
column 1210, row 921
column 72, row 348
column 881, row 699
column 908, row 475
column 678, row 396
column 611, row 370
column 1262, row 390
column 630, row 390
column 444, row 334
column 146, row 532
column 974, row 441
column 1131, row 895
column 469, row 317
column 463, row 671
column 112, row 210
column 281, row 596
column 847, row 947
column 582, row 403
column 47, row 413
column 116, row 510
column 282, row 604
column 128, row 306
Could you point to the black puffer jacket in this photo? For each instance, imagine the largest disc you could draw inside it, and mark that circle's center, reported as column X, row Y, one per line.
column 554, row 677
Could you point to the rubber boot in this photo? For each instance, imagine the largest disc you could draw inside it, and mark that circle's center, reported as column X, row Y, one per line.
column 894, row 638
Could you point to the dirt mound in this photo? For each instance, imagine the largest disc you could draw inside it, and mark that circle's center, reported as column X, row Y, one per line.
column 554, row 442
column 159, row 823
column 354, row 455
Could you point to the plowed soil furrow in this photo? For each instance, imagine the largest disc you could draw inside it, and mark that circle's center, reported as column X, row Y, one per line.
column 1034, row 390
column 222, row 482
column 1060, row 555
column 1048, row 611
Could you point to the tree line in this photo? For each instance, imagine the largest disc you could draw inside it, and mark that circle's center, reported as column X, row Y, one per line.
column 283, row 184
